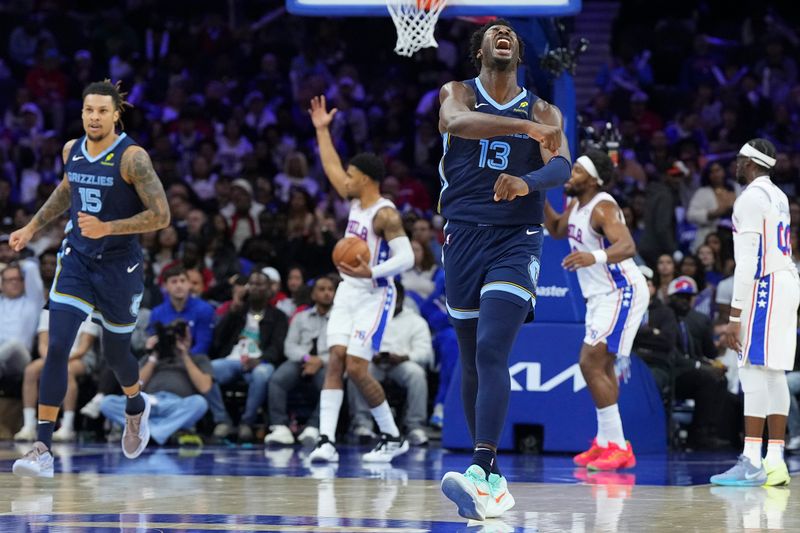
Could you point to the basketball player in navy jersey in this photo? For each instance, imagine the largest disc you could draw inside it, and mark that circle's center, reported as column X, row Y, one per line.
column 503, row 147
column 112, row 194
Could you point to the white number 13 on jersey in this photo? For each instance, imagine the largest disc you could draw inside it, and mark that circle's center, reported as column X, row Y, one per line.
column 90, row 200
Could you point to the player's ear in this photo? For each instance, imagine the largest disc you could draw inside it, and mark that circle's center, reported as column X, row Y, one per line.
column 116, row 116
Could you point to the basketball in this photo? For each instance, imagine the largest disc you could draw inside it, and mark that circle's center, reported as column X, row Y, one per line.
column 348, row 249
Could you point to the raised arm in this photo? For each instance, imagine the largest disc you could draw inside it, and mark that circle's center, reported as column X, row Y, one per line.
column 458, row 117
column 607, row 218
column 58, row 202
column 331, row 162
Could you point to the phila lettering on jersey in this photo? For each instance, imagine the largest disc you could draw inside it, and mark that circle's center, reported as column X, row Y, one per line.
column 360, row 224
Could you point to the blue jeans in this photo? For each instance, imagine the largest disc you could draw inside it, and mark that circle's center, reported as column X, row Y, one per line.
column 229, row 370
column 168, row 412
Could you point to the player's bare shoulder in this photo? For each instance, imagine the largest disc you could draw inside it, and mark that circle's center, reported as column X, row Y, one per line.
column 388, row 223
column 547, row 113
column 67, row 149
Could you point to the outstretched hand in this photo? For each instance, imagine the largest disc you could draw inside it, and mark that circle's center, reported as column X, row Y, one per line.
column 320, row 116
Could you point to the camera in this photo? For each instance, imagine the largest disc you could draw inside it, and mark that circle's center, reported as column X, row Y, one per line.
column 168, row 337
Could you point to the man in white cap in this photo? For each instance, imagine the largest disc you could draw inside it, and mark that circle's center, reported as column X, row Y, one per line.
column 616, row 293
column 762, row 326
column 242, row 212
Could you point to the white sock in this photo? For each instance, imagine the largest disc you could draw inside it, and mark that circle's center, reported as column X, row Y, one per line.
column 774, row 451
column 330, row 402
column 97, row 398
column 29, row 416
column 602, row 438
column 752, row 450
column 68, row 420
column 609, row 425
column 383, row 416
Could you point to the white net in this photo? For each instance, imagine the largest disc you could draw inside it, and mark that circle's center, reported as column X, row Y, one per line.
column 415, row 21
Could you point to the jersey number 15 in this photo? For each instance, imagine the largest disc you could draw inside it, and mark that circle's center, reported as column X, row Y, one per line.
column 499, row 156
column 90, row 200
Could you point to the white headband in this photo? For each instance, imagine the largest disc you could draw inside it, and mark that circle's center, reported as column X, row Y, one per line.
column 756, row 155
column 588, row 165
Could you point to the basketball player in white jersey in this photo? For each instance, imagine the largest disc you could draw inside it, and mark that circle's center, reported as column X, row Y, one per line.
column 616, row 297
column 364, row 302
column 762, row 326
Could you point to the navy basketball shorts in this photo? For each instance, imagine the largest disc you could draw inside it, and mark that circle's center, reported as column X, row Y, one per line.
column 502, row 260
column 108, row 287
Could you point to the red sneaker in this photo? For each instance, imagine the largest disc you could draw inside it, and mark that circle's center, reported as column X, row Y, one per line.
column 584, row 458
column 613, row 458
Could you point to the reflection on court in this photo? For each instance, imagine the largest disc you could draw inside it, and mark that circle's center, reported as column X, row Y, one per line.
column 234, row 489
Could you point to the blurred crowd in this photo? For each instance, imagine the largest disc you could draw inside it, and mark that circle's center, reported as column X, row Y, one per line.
column 220, row 101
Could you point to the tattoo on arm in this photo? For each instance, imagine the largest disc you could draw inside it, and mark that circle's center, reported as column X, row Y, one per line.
column 138, row 168
column 58, row 202
column 389, row 224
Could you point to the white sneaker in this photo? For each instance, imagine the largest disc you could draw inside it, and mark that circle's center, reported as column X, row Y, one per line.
column 417, row 437
column 36, row 463
column 325, row 452
column 26, row 434
column 500, row 498
column 136, row 434
column 308, row 436
column 92, row 409
column 64, row 434
column 280, row 435
column 387, row 449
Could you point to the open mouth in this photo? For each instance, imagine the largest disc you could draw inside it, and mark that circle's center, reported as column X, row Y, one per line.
column 503, row 45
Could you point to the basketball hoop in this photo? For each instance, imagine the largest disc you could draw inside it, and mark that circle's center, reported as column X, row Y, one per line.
column 415, row 21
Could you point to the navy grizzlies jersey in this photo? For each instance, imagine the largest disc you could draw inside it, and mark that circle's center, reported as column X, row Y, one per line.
column 469, row 168
column 98, row 189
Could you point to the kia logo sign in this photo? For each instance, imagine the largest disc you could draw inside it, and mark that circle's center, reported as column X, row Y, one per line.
column 532, row 374
column 552, row 291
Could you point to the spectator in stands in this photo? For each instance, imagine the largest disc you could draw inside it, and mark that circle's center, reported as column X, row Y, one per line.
column 406, row 353
column 175, row 379
column 698, row 373
column 658, row 237
column 664, row 274
column 166, row 250
column 180, row 304
column 657, row 338
column 21, row 300
column 712, row 203
column 248, row 343
column 704, row 301
column 295, row 175
column 298, row 298
column 82, row 361
column 306, row 349
column 241, row 214
column 710, row 264
column 47, row 269
column 420, row 278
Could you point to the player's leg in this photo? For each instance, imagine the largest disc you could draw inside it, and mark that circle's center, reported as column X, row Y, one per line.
column 777, row 413
column 117, row 311
column 749, row 470
column 330, row 402
column 66, row 432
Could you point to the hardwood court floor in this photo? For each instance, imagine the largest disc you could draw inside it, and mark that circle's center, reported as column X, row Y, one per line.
column 251, row 489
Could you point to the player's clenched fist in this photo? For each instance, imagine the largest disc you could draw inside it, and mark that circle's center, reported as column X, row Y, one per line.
column 508, row 187
column 548, row 136
column 92, row 227
column 20, row 238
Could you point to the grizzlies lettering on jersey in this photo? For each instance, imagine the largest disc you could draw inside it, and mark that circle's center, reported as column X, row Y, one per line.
column 98, row 189
column 469, row 168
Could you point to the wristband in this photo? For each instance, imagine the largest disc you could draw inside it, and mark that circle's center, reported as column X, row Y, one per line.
column 600, row 257
column 734, row 319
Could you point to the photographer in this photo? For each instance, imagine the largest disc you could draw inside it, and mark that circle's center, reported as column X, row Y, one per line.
column 181, row 305
column 175, row 380
column 248, row 343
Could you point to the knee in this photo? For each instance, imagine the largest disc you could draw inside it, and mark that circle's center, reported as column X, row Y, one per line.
column 357, row 368
column 592, row 360
column 263, row 372
column 197, row 403
column 33, row 370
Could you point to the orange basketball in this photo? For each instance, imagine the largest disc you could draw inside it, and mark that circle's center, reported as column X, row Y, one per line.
column 348, row 249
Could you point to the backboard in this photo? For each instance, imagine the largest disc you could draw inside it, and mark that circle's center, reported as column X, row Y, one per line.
column 455, row 8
